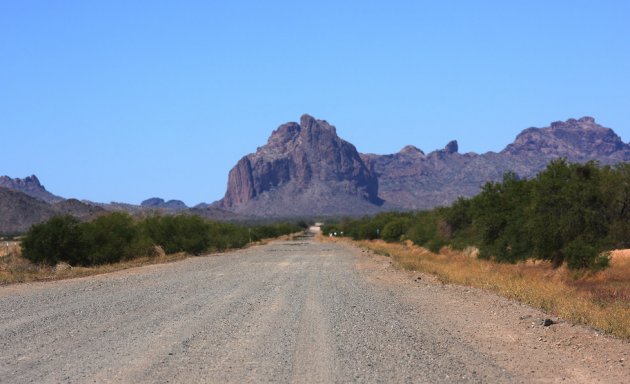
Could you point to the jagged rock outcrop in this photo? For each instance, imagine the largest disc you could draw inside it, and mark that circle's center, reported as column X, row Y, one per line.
column 303, row 169
column 31, row 186
column 577, row 139
column 451, row 147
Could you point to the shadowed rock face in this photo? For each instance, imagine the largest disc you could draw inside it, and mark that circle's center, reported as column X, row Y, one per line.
column 306, row 169
column 305, row 159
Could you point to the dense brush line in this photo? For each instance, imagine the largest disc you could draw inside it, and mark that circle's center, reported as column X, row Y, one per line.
column 118, row 236
column 569, row 213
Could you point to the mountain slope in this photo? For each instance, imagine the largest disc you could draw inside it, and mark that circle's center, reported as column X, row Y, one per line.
column 18, row 211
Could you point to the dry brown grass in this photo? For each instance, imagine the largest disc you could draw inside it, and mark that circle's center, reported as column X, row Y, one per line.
column 9, row 247
column 16, row 269
column 601, row 300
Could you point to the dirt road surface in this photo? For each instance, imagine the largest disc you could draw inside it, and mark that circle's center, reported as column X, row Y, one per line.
column 295, row 311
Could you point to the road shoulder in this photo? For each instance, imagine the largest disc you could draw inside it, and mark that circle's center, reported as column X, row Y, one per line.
column 512, row 332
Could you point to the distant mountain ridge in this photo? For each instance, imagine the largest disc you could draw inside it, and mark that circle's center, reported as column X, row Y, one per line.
column 31, row 186
column 24, row 202
column 306, row 169
column 19, row 211
column 159, row 203
column 412, row 180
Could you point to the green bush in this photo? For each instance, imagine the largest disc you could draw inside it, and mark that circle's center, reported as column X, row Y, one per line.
column 394, row 230
column 275, row 230
column 424, row 228
column 181, row 233
column 58, row 239
column 582, row 255
column 118, row 236
column 226, row 236
column 113, row 238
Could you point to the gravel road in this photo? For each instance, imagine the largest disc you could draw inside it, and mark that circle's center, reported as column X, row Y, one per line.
column 290, row 311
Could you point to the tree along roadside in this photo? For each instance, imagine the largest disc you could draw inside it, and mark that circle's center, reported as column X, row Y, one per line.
column 571, row 214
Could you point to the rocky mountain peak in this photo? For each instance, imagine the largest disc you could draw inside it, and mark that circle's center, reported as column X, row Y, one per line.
column 29, row 185
column 27, row 182
column 581, row 123
column 32, row 179
column 308, row 122
column 586, row 119
column 281, row 137
column 310, row 132
column 410, row 150
column 298, row 159
column 574, row 138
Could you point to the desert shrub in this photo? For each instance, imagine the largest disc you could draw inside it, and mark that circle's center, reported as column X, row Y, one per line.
column 582, row 255
column 117, row 237
column 225, row 236
column 395, row 229
column 500, row 212
column 424, row 228
column 568, row 211
column 369, row 228
column 260, row 232
column 329, row 228
column 181, row 233
column 113, row 238
column 58, row 239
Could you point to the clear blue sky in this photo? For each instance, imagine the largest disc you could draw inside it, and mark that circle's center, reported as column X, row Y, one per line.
column 125, row 100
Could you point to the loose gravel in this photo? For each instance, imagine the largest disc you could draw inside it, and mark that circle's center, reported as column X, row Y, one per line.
column 290, row 311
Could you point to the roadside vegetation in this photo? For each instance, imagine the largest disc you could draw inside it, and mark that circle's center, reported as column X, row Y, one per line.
column 64, row 247
column 549, row 241
column 569, row 214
